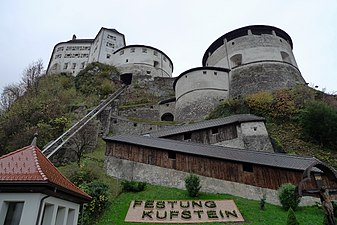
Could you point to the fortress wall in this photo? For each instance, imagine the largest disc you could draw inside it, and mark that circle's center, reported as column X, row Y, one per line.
column 263, row 76
column 140, row 59
column 198, row 91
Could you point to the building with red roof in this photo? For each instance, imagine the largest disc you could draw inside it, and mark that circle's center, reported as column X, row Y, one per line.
column 33, row 191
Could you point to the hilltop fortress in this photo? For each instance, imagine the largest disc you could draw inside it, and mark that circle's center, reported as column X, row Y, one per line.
column 240, row 62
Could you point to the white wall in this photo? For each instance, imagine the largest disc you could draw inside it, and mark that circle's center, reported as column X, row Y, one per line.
column 61, row 211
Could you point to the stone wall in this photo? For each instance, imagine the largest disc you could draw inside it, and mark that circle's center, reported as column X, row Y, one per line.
column 129, row 170
column 263, row 76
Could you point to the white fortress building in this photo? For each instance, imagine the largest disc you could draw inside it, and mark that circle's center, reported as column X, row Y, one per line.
column 241, row 62
column 109, row 47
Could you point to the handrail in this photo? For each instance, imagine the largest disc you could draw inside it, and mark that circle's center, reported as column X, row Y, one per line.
column 49, row 151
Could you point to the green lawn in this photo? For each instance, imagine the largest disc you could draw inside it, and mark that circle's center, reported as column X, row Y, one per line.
column 272, row 215
column 115, row 214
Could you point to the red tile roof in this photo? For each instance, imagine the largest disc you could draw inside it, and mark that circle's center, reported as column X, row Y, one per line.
column 30, row 165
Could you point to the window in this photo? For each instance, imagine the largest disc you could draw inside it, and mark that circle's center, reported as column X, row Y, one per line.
column 236, row 60
column 111, row 37
column 61, row 212
column 108, row 56
column 74, row 66
column 65, row 66
column 121, row 52
column 126, row 60
column 71, row 217
column 148, row 72
column 164, row 59
column 14, row 212
column 172, row 155
column 47, row 214
column 187, row 136
column 215, row 73
column 110, row 45
column 132, row 50
column 155, row 53
column 82, row 65
column 285, row 57
column 144, row 50
column 247, row 167
column 204, row 72
column 156, row 64
column 215, row 130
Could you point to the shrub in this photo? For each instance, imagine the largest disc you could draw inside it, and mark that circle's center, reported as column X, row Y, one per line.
column 133, row 186
column 263, row 202
column 82, row 175
column 288, row 197
column 192, row 184
column 292, row 218
column 318, row 121
column 99, row 193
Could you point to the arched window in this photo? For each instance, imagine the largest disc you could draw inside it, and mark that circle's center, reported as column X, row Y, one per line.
column 285, row 57
column 236, row 60
column 167, row 117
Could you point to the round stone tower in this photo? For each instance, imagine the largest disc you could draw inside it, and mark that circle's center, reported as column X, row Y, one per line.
column 260, row 58
column 198, row 91
column 143, row 60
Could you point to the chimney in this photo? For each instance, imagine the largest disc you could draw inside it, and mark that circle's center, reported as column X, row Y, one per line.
column 74, row 37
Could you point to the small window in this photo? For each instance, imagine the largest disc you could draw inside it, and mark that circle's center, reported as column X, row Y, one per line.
column 74, row 66
column 172, row 155
column 82, row 65
column 121, row 52
column 236, row 60
column 126, row 60
column 285, row 57
column 247, row 167
column 14, row 212
column 108, row 56
column 65, row 66
column 215, row 130
column 144, row 50
column 155, row 53
column 148, row 72
column 215, row 73
column 164, row 59
column 187, row 136
column 132, row 50
column 204, row 72
column 155, row 64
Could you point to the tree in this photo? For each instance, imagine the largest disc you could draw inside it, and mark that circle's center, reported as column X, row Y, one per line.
column 288, row 196
column 192, row 184
column 319, row 120
column 292, row 218
column 84, row 140
column 9, row 95
column 31, row 75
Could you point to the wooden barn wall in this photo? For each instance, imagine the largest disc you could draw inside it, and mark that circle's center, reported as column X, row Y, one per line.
column 262, row 176
column 205, row 136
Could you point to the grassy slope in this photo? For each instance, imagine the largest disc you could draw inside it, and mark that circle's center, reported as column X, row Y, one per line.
column 115, row 214
column 275, row 215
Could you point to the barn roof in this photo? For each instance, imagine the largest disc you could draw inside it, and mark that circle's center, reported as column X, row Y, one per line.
column 29, row 167
column 239, row 118
column 219, row 152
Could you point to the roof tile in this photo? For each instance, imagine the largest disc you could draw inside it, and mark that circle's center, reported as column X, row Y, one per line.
column 29, row 164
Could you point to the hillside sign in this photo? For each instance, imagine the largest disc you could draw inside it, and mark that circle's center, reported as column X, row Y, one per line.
column 183, row 211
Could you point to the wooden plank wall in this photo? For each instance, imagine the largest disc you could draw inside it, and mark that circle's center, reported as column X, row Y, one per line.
column 226, row 132
column 262, row 176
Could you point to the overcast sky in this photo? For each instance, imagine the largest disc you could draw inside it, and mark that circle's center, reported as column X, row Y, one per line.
column 183, row 29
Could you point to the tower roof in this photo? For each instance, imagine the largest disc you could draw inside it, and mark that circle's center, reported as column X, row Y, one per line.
column 29, row 168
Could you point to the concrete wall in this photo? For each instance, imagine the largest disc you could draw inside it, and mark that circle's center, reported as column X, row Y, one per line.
column 129, row 170
column 70, row 210
column 198, row 92
column 108, row 43
column 255, row 136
